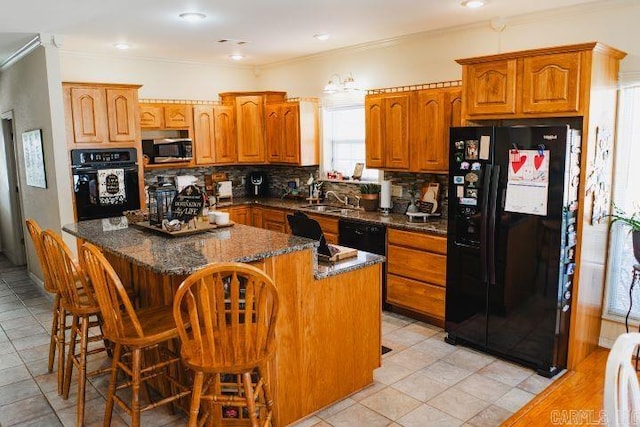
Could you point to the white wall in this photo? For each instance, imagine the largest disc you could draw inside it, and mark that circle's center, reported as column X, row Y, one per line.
column 31, row 89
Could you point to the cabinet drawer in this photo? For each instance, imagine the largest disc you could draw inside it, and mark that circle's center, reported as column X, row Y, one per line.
column 416, row 296
column 328, row 225
column 425, row 242
column 418, row 265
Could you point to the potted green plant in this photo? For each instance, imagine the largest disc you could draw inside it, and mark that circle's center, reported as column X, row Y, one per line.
column 369, row 196
column 633, row 222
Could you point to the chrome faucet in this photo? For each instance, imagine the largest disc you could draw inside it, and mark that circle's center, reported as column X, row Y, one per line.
column 333, row 193
column 357, row 205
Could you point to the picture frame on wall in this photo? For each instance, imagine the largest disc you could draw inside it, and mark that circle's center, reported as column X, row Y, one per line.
column 34, row 158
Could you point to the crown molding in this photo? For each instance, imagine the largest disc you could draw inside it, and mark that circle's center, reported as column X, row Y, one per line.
column 29, row 47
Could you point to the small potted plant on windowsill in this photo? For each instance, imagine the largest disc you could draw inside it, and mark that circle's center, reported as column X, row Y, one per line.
column 369, row 196
column 633, row 222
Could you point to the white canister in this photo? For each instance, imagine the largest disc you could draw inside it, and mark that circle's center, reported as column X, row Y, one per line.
column 222, row 218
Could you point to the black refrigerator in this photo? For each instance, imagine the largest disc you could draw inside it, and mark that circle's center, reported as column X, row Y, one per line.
column 511, row 241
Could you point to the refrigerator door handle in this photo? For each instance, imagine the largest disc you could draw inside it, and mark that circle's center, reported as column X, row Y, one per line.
column 486, row 181
column 493, row 209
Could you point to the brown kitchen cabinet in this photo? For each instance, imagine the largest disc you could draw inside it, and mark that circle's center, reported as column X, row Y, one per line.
column 256, row 216
column 549, row 82
column 165, row 116
column 98, row 114
column 387, row 130
column 292, row 132
column 329, row 226
column 214, row 134
column 238, row 214
column 410, row 130
column 250, row 122
column 274, row 219
column 416, row 273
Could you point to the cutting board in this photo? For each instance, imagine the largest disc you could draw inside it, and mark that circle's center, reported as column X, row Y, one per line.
column 344, row 253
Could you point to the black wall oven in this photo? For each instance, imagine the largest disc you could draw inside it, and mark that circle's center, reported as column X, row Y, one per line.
column 105, row 182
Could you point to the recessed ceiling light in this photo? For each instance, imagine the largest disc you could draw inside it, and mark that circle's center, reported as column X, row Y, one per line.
column 192, row 16
column 236, row 56
column 472, row 4
column 322, row 36
column 122, row 46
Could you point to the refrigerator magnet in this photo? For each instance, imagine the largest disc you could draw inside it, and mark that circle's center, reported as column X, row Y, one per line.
column 472, row 193
column 471, row 178
column 471, row 149
column 475, row 166
column 459, row 180
column 459, row 145
column 459, row 191
column 468, row 201
column 459, row 157
column 464, row 165
column 485, row 145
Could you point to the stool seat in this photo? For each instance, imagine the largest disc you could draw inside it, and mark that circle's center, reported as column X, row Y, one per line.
column 157, row 324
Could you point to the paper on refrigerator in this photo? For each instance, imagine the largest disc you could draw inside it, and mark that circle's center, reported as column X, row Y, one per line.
column 528, row 182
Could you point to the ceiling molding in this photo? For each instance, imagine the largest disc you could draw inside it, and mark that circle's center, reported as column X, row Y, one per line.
column 29, row 47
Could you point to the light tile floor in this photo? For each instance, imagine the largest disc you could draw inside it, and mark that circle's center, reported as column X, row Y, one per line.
column 422, row 382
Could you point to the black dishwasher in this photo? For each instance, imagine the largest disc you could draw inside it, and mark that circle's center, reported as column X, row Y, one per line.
column 366, row 237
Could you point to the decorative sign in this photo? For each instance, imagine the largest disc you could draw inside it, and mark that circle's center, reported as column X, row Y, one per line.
column 528, row 182
column 34, row 158
column 187, row 204
column 111, row 190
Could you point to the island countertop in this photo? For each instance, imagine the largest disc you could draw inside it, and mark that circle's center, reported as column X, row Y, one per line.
column 184, row 255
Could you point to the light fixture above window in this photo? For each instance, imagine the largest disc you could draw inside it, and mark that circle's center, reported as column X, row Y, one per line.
column 473, row 4
column 192, row 16
column 122, row 46
column 337, row 84
column 321, row 36
column 236, row 56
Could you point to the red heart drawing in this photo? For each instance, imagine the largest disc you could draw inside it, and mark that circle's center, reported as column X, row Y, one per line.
column 537, row 160
column 517, row 165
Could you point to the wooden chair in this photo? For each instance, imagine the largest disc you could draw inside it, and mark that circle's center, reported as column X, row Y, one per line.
column 621, row 388
column 76, row 298
column 226, row 316
column 57, row 339
column 136, row 331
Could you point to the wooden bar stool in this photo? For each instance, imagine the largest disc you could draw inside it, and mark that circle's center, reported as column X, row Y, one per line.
column 76, row 298
column 226, row 316
column 57, row 338
column 135, row 330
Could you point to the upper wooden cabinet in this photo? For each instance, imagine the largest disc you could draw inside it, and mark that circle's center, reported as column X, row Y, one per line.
column 165, row 116
column 101, row 113
column 548, row 82
column 410, row 130
column 292, row 132
column 214, row 134
column 250, row 119
column 387, row 130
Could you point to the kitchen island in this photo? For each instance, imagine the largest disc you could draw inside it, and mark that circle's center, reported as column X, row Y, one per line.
column 328, row 332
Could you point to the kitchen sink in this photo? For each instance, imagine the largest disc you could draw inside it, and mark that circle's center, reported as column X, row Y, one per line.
column 328, row 209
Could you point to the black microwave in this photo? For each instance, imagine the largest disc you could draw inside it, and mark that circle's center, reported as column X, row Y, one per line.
column 168, row 150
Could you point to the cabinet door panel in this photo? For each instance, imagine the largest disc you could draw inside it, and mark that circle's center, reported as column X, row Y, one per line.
column 290, row 134
column 417, row 265
column 240, row 215
column 396, row 131
column 151, row 116
column 203, row 129
column 550, row 83
column 274, row 132
column 429, row 145
column 89, row 115
column 177, row 116
column 491, row 88
column 416, row 296
column 374, row 138
column 250, row 123
column 224, row 134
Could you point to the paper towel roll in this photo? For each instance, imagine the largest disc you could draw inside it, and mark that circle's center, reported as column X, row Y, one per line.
column 385, row 195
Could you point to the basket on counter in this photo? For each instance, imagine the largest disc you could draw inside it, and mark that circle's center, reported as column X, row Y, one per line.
column 137, row 215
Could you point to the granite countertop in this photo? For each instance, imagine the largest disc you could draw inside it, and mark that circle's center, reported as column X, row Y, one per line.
column 185, row 255
column 392, row 220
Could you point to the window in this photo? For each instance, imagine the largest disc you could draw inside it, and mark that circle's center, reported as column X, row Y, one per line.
column 627, row 197
column 344, row 132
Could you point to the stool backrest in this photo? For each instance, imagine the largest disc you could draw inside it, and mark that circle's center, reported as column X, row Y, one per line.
column 226, row 316
column 621, row 387
column 36, row 237
column 111, row 294
column 69, row 279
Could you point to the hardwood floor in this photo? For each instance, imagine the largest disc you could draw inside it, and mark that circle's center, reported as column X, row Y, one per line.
column 576, row 398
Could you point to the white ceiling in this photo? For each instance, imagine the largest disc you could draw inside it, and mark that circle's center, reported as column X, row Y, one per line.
column 275, row 30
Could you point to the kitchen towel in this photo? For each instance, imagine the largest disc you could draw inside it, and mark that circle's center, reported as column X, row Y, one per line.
column 385, row 195
column 111, row 187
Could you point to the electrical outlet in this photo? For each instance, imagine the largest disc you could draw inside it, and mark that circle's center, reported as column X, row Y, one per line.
column 396, row 191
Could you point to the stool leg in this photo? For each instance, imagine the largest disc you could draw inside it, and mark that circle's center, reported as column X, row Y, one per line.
column 266, row 394
column 196, row 393
column 250, row 398
column 135, row 388
column 54, row 332
column 68, row 370
column 82, row 369
column 62, row 326
column 108, row 411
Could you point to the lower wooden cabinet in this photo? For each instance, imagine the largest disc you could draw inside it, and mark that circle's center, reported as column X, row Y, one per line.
column 239, row 214
column 416, row 273
column 274, row 219
column 329, row 226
